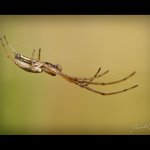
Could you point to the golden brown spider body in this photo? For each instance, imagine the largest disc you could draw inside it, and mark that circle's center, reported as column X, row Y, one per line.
column 36, row 66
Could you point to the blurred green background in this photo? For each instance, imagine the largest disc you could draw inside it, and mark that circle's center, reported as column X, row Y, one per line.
column 42, row 104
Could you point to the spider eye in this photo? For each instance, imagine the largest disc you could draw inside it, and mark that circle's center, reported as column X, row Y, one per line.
column 17, row 56
column 58, row 66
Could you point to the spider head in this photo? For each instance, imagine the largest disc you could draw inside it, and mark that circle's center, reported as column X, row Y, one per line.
column 58, row 66
column 17, row 56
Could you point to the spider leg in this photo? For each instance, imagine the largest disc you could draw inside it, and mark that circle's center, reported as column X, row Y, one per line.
column 97, row 72
column 113, row 82
column 32, row 57
column 85, row 83
column 91, row 78
column 71, row 79
column 79, row 80
column 67, row 77
column 82, row 80
column 6, row 53
column 9, row 45
column 96, row 75
column 104, row 93
column 39, row 55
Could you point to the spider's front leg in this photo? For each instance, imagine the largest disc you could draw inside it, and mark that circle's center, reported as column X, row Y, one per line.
column 105, row 93
column 89, row 81
column 113, row 82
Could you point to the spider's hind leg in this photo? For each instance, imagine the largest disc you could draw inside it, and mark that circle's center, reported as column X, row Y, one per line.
column 6, row 53
column 9, row 45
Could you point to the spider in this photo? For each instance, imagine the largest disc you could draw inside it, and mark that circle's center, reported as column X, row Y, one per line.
column 37, row 66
